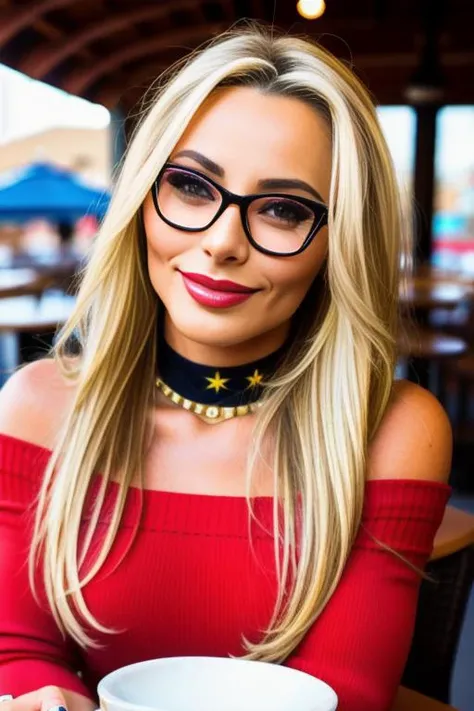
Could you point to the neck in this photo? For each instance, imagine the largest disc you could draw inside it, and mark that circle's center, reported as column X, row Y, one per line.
column 225, row 356
column 202, row 376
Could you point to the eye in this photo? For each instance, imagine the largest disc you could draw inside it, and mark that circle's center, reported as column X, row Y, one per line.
column 189, row 185
column 289, row 212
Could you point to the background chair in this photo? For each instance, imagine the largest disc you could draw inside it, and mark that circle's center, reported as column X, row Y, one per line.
column 441, row 608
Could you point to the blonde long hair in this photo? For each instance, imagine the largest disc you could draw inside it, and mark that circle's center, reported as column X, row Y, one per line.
column 322, row 411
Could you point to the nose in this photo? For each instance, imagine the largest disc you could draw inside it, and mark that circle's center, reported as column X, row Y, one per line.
column 225, row 240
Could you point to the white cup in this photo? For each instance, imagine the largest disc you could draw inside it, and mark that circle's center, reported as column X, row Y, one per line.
column 212, row 684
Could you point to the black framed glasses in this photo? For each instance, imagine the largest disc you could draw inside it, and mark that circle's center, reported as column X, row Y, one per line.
column 274, row 223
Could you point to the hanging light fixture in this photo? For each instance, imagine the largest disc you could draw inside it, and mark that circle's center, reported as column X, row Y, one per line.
column 427, row 83
column 311, row 9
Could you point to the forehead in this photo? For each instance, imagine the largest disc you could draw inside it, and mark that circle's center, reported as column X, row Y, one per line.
column 264, row 135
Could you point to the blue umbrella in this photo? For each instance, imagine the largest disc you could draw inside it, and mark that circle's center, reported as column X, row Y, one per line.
column 42, row 190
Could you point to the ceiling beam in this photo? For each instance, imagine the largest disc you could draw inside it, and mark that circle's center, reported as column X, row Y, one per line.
column 13, row 20
column 410, row 59
column 48, row 29
column 47, row 56
column 137, row 80
column 83, row 78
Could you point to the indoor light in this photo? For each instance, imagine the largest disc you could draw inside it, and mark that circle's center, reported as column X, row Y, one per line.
column 311, row 9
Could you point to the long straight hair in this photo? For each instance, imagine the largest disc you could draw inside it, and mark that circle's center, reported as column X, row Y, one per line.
column 324, row 405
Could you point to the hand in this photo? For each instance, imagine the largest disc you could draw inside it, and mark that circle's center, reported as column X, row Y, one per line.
column 49, row 698
column 45, row 699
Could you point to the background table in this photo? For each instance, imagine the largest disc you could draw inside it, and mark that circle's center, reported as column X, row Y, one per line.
column 28, row 325
column 425, row 352
column 27, row 314
column 431, row 345
column 455, row 533
column 424, row 294
column 408, row 700
column 60, row 267
column 19, row 282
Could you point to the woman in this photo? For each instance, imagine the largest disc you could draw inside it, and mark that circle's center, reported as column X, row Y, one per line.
column 227, row 468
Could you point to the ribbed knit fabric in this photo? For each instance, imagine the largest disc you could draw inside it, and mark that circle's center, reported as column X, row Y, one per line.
column 191, row 584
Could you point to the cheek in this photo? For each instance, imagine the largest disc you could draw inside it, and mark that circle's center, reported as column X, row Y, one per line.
column 163, row 242
column 292, row 277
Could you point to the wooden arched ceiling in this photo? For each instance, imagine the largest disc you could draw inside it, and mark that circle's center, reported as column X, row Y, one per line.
column 106, row 50
column 47, row 55
column 89, row 74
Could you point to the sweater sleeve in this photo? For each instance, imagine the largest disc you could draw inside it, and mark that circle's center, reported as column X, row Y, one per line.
column 33, row 653
column 360, row 643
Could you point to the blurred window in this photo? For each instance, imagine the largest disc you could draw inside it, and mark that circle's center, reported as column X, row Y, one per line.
column 453, row 222
column 399, row 125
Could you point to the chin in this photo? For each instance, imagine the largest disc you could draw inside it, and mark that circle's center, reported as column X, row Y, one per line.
column 218, row 328
column 221, row 332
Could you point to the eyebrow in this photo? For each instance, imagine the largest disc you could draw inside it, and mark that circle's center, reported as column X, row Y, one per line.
column 267, row 184
column 206, row 163
column 285, row 183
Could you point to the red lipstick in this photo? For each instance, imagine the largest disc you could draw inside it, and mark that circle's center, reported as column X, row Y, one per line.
column 217, row 284
column 216, row 293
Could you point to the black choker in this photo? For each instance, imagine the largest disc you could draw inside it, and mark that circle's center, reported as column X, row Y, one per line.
column 229, row 387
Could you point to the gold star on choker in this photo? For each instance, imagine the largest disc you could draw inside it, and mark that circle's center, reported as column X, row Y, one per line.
column 216, row 383
column 255, row 379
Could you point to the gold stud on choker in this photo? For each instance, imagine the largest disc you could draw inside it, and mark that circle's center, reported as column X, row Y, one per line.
column 212, row 414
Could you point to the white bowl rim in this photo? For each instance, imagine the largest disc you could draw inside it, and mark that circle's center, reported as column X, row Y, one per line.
column 110, row 697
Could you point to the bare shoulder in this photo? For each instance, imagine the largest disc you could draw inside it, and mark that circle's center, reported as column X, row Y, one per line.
column 414, row 440
column 34, row 401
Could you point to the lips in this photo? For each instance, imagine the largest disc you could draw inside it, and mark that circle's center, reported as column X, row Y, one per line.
column 213, row 293
column 218, row 284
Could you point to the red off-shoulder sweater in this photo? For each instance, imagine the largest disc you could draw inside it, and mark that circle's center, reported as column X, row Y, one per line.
column 191, row 584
